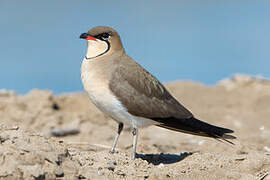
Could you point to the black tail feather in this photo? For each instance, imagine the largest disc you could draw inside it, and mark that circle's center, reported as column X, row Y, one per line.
column 196, row 127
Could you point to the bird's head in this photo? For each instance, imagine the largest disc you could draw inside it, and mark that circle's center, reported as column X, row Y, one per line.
column 101, row 40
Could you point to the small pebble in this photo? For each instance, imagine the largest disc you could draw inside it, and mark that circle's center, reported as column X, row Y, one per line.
column 266, row 148
column 59, row 172
column 111, row 165
column 262, row 128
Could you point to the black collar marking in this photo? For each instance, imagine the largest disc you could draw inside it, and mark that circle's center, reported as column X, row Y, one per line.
column 109, row 46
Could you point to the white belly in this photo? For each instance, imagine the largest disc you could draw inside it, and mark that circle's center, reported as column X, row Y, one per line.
column 100, row 95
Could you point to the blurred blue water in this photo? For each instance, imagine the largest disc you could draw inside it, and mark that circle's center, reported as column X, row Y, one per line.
column 196, row 40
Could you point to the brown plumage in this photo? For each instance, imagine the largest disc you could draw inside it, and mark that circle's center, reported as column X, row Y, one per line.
column 129, row 94
column 144, row 96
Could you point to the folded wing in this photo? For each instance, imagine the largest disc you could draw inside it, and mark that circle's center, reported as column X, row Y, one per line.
column 144, row 96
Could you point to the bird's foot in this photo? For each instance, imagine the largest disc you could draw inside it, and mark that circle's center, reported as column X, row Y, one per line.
column 112, row 151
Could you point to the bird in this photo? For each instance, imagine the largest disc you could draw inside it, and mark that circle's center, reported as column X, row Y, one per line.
column 126, row 92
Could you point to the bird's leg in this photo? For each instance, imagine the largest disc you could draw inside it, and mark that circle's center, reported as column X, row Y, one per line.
column 135, row 136
column 120, row 128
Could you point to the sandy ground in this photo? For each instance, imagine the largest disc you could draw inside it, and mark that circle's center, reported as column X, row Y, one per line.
column 33, row 145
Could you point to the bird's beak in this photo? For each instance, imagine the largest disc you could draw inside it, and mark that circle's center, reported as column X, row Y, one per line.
column 83, row 36
column 87, row 37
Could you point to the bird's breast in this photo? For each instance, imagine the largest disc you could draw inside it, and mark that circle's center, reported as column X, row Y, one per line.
column 96, row 83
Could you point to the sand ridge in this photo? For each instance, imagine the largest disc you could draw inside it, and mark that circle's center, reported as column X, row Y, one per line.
column 46, row 136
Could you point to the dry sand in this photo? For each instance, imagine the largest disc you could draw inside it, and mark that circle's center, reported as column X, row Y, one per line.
column 28, row 150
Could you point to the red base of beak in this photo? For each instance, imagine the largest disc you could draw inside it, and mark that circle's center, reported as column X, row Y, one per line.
column 91, row 38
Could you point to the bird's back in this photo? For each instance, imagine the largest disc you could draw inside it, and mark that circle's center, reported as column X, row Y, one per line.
column 141, row 93
column 144, row 96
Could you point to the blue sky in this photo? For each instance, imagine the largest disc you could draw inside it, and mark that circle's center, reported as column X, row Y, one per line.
column 203, row 41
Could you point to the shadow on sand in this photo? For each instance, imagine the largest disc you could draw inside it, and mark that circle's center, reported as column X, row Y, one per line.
column 157, row 159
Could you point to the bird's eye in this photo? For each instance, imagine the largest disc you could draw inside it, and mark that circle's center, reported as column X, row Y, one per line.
column 105, row 36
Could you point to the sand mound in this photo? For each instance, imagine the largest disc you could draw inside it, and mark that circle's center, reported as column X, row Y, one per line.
column 43, row 136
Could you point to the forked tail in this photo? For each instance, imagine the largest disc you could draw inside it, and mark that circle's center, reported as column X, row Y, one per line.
column 196, row 127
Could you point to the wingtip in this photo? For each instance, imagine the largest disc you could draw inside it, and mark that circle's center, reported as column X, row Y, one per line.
column 227, row 136
column 229, row 131
column 224, row 138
